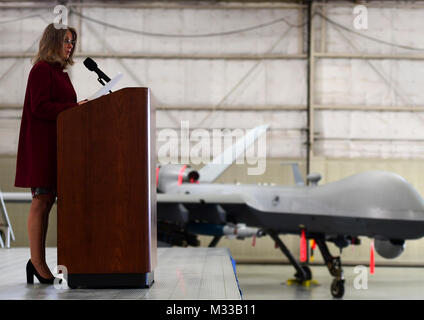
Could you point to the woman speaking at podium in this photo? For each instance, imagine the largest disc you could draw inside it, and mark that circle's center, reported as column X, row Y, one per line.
column 49, row 91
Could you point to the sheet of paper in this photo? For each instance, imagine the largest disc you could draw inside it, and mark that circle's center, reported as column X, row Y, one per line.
column 105, row 89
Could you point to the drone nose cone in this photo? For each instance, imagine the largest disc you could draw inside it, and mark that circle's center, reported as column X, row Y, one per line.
column 379, row 191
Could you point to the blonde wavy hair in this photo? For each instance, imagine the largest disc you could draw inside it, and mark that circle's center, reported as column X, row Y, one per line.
column 51, row 46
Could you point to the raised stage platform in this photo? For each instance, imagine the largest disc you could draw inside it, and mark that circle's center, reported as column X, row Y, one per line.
column 182, row 273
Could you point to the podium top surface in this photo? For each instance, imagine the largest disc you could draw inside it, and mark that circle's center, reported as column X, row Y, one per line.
column 129, row 93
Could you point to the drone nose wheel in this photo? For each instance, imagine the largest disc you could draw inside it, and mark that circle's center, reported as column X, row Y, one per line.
column 334, row 265
column 337, row 288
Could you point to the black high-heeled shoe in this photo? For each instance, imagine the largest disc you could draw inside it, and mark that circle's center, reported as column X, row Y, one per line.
column 31, row 272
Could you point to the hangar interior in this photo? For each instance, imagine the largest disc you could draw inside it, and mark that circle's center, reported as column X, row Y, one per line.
column 341, row 96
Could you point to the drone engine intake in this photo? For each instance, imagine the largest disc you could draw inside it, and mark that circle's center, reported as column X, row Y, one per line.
column 170, row 175
column 389, row 249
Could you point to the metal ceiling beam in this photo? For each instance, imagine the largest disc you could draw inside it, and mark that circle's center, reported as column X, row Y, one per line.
column 203, row 108
column 373, row 4
column 369, row 56
column 310, row 81
column 14, row 55
column 333, row 107
column 317, row 107
column 320, row 55
column 198, row 5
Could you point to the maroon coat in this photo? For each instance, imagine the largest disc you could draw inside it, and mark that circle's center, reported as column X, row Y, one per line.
column 49, row 91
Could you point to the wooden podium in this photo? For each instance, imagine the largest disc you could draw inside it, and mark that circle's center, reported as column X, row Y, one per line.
column 106, row 217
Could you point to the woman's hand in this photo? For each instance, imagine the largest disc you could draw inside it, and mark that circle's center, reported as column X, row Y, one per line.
column 82, row 102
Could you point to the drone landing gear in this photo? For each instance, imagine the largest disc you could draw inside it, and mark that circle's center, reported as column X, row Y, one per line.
column 214, row 241
column 334, row 265
column 305, row 283
column 303, row 274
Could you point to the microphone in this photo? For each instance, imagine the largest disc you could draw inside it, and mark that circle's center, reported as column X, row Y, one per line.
column 92, row 66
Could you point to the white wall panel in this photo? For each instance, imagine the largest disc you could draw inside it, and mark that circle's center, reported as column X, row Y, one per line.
column 374, row 83
column 9, row 136
column 401, row 25
column 204, row 82
column 286, row 137
column 190, row 22
column 13, row 83
column 279, row 120
column 249, row 83
column 19, row 36
column 178, row 82
column 369, row 149
column 360, row 82
column 370, row 125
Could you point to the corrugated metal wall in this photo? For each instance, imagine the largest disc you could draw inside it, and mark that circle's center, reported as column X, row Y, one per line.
column 366, row 85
